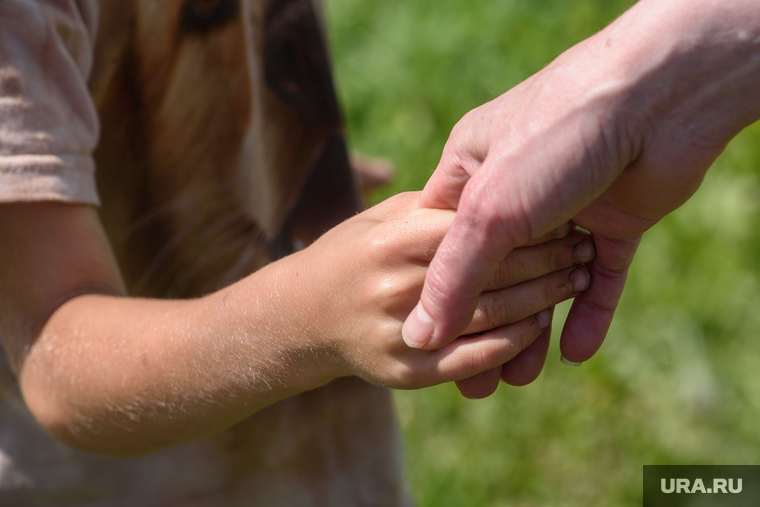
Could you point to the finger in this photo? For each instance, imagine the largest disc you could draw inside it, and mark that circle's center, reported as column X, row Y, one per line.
column 501, row 307
column 523, row 369
column 527, row 365
column 527, row 263
column 471, row 355
column 591, row 314
column 480, row 386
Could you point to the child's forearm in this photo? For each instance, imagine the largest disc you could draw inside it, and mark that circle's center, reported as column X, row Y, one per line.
column 126, row 376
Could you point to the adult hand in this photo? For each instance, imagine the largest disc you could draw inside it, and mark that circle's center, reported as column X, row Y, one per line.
column 614, row 134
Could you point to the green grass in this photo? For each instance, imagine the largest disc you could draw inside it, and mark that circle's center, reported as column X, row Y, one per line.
column 678, row 379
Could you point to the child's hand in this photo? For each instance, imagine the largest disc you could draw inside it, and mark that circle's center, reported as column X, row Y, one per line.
column 353, row 288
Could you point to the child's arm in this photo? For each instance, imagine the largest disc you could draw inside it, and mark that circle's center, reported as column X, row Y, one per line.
column 117, row 375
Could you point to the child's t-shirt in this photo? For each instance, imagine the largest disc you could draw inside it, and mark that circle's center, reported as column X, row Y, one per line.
column 48, row 122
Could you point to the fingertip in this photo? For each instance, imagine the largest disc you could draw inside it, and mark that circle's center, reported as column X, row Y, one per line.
column 527, row 365
column 580, row 279
column 583, row 251
column 584, row 331
column 480, row 386
column 544, row 318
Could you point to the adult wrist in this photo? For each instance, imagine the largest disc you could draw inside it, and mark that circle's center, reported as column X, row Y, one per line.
column 692, row 65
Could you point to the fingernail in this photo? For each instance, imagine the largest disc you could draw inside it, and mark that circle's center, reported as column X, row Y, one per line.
column 580, row 279
column 568, row 362
column 544, row 318
column 583, row 251
column 418, row 328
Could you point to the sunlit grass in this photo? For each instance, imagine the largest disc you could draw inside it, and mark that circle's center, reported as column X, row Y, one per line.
column 678, row 379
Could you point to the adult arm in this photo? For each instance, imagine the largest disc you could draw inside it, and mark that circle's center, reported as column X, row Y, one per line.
column 117, row 375
column 615, row 133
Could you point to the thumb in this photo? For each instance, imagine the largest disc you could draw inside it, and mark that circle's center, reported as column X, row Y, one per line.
column 449, row 284
column 456, row 276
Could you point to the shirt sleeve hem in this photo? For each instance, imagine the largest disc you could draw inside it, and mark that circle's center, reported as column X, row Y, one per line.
column 66, row 178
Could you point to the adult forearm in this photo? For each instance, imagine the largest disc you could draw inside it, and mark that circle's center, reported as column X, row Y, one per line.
column 697, row 60
column 126, row 376
column 690, row 75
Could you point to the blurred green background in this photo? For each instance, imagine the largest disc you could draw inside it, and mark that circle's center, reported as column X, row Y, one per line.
column 678, row 379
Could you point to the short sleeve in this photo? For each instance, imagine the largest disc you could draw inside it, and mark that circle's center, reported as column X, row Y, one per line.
column 48, row 123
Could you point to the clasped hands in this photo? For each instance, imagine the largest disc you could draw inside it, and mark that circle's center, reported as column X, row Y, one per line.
column 613, row 135
column 373, row 267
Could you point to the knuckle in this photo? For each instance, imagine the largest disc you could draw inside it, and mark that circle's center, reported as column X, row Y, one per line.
column 463, row 126
column 383, row 245
column 561, row 289
column 480, row 359
column 555, row 290
column 560, row 256
column 476, row 359
column 528, row 334
column 377, row 245
column 619, row 274
column 504, row 274
column 390, row 295
column 493, row 312
column 565, row 254
column 547, row 295
column 604, row 307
